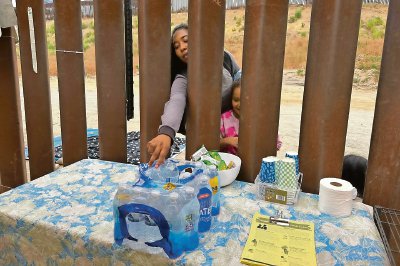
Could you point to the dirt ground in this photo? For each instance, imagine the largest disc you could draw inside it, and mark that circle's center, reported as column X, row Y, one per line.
column 359, row 126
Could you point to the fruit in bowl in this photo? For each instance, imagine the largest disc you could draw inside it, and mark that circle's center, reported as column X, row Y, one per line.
column 227, row 176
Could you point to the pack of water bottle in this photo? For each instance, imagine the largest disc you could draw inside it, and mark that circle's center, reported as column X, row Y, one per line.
column 167, row 208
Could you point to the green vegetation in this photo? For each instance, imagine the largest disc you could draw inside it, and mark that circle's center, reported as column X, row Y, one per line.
column 374, row 27
column 88, row 40
column 51, row 29
column 303, row 33
column 300, row 72
column 370, row 62
column 297, row 15
column 239, row 24
column 50, row 33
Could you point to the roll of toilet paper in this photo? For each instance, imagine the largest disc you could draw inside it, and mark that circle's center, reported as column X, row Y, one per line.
column 336, row 196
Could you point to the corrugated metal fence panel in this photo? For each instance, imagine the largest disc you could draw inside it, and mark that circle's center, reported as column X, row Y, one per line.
column 179, row 5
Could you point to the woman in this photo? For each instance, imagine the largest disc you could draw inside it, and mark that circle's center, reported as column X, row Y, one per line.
column 173, row 119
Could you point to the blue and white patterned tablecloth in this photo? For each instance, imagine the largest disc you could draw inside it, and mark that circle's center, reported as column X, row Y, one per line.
column 65, row 218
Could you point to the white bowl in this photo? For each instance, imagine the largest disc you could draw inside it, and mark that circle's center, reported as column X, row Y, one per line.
column 226, row 177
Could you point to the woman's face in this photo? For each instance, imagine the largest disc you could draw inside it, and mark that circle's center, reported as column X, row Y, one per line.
column 180, row 43
column 236, row 101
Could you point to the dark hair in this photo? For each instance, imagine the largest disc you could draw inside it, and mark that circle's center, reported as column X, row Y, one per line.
column 177, row 66
column 235, row 84
column 354, row 171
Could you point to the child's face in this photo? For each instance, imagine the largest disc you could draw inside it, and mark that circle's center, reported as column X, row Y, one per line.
column 236, row 101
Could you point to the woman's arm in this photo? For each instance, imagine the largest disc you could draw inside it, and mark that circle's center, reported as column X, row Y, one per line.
column 235, row 66
column 174, row 108
column 159, row 146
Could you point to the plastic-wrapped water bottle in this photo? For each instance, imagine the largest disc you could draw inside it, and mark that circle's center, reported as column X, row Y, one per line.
column 167, row 172
column 176, row 223
column 138, row 198
column 170, row 172
column 216, row 189
column 136, row 221
column 204, row 197
column 190, row 213
column 154, row 201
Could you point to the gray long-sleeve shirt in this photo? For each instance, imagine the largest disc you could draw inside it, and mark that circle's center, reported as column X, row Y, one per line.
column 175, row 107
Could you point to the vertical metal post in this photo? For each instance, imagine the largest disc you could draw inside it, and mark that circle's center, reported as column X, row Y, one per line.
column 155, row 67
column 12, row 159
column 110, row 77
column 35, row 80
column 71, row 79
column 382, row 186
column 329, row 77
column 206, row 43
column 263, row 55
column 128, row 59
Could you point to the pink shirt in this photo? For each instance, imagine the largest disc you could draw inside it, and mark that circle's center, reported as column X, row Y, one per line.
column 230, row 128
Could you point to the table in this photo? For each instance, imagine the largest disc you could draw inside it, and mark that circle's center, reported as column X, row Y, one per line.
column 65, row 218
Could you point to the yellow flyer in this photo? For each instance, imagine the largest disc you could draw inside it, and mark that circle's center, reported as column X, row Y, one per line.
column 273, row 242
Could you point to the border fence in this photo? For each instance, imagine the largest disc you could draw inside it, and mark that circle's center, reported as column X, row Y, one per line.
column 182, row 6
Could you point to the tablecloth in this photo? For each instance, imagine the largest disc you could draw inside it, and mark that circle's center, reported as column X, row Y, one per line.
column 65, row 218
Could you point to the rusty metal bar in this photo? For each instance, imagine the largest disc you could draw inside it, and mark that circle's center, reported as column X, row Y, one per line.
column 206, row 42
column 12, row 159
column 71, row 79
column 110, row 77
column 329, row 77
column 263, row 55
column 155, row 67
column 382, row 186
column 36, row 86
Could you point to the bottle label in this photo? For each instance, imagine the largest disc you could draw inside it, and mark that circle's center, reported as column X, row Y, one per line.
column 214, row 184
column 189, row 223
column 169, row 186
column 204, row 198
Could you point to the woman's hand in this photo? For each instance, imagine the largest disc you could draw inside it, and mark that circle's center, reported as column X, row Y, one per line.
column 159, row 148
column 229, row 141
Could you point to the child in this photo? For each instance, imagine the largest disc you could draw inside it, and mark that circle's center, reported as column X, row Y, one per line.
column 229, row 130
column 354, row 171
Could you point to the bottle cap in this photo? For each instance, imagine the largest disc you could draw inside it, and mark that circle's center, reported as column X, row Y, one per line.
column 155, row 193
column 138, row 189
column 174, row 195
column 188, row 189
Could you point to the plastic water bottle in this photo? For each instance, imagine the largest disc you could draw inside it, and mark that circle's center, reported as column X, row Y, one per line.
column 176, row 224
column 153, row 201
column 216, row 189
column 136, row 221
column 204, row 197
column 190, row 213
column 138, row 198
column 169, row 172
